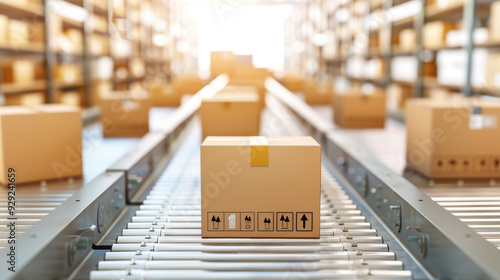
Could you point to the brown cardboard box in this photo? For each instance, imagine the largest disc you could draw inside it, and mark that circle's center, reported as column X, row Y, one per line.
column 125, row 114
column 4, row 29
column 260, row 187
column 36, row 29
column 449, row 139
column 494, row 69
column 230, row 115
column 397, row 96
column 187, row 84
column 293, row 82
column 222, row 62
column 231, row 89
column 68, row 73
column 495, row 21
column 317, row 93
column 407, row 39
column 18, row 32
column 357, row 110
column 25, row 99
column 69, row 98
column 57, row 156
column 162, row 95
column 259, row 84
column 435, row 34
column 244, row 59
column 18, row 71
column 245, row 72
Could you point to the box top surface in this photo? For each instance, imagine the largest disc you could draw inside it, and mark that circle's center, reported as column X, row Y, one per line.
column 233, row 97
column 113, row 95
column 56, row 108
column 452, row 103
column 238, row 89
column 16, row 110
column 271, row 141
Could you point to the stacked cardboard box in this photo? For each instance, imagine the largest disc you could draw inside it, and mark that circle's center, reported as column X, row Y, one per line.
column 125, row 114
column 260, row 187
column 357, row 110
column 231, row 115
column 455, row 138
column 435, row 34
column 68, row 73
column 495, row 21
column 18, row 71
column 25, row 99
column 407, row 40
column 248, row 72
column 56, row 157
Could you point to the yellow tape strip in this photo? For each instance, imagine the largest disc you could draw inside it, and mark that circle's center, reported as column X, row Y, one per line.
column 259, row 151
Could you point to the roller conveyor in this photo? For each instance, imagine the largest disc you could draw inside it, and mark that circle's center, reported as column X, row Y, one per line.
column 141, row 218
column 470, row 201
column 34, row 201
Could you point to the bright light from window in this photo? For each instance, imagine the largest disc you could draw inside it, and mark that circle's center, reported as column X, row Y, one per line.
column 243, row 29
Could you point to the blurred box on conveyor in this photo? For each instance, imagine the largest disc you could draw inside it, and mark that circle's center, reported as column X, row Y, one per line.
column 259, row 84
column 318, row 92
column 125, row 113
column 32, row 142
column 230, row 115
column 248, row 88
column 355, row 109
column 293, row 82
column 170, row 95
column 222, row 62
column 248, row 72
column 260, row 187
column 455, row 138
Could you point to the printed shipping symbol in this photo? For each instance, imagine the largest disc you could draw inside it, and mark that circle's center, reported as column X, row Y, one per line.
column 267, row 222
column 232, row 221
column 284, row 220
column 215, row 220
column 304, row 220
column 248, row 220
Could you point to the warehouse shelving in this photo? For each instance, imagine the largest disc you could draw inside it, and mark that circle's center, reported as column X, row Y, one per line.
column 84, row 55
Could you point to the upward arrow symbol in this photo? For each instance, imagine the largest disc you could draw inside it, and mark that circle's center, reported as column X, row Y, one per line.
column 304, row 220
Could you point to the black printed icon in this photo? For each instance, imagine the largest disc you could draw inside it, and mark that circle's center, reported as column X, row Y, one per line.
column 214, row 221
column 265, row 221
column 285, row 221
column 304, row 221
column 248, row 223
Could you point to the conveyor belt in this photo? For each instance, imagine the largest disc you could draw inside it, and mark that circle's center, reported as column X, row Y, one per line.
column 163, row 239
column 34, row 201
column 476, row 203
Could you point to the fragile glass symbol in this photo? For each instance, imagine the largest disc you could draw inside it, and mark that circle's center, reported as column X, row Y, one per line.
column 232, row 221
column 214, row 221
column 284, row 221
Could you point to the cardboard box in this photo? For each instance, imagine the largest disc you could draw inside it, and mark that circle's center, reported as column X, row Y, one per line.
column 456, row 138
column 245, row 72
column 435, row 34
column 258, row 84
column 244, row 59
column 495, row 21
column 4, row 29
column 69, row 98
column 40, row 151
column 18, row 32
column 317, row 93
column 187, row 84
column 293, row 82
column 230, row 115
column 25, row 99
column 36, row 31
column 162, row 95
column 68, row 73
column 397, row 96
column 407, row 39
column 125, row 114
column 494, row 69
column 18, row 71
column 356, row 110
column 222, row 62
column 260, row 187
